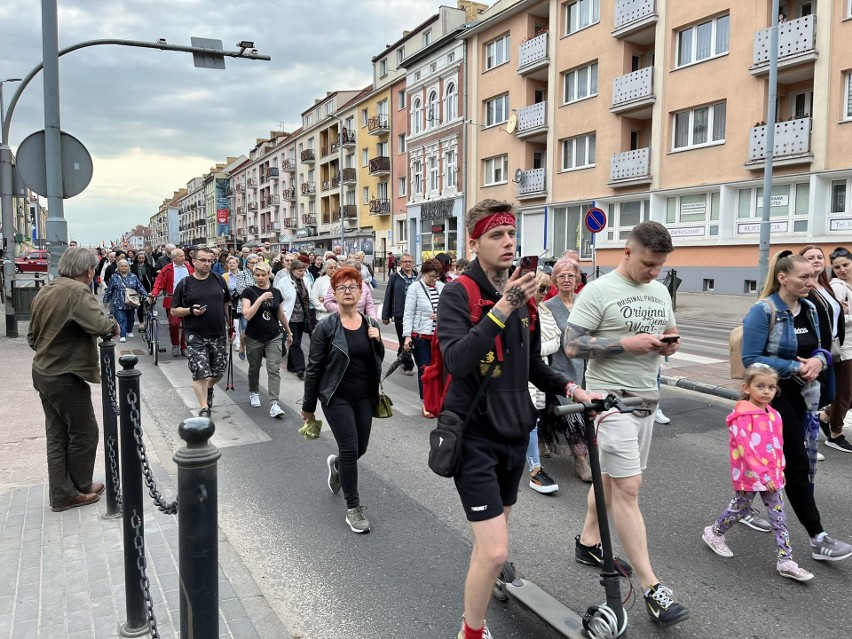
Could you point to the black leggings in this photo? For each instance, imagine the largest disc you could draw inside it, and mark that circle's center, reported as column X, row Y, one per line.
column 791, row 406
column 350, row 422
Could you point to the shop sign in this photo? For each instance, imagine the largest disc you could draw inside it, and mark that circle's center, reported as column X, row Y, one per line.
column 437, row 210
column 753, row 228
column 688, row 231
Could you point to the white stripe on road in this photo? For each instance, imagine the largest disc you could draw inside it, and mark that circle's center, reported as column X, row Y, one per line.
column 694, row 359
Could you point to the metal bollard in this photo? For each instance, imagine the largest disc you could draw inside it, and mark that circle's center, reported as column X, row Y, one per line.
column 131, row 500
column 198, row 504
column 109, row 405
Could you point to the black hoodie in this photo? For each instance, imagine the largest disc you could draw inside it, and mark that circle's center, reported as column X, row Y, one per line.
column 506, row 414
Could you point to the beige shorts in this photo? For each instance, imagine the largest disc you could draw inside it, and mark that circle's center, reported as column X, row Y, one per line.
column 624, row 439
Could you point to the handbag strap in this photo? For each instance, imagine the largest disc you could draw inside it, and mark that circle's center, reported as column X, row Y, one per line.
column 479, row 394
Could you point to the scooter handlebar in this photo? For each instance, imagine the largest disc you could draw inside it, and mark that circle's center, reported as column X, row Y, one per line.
column 623, row 404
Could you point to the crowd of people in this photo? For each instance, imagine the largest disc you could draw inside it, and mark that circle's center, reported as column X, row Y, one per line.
column 543, row 336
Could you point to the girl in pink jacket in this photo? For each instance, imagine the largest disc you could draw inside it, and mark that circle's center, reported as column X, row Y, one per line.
column 757, row 466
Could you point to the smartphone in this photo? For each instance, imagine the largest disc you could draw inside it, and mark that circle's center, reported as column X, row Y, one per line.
column 670, row 339
column 529, row 264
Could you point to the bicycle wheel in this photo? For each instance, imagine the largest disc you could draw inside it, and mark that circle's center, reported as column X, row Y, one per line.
column 156, row 340
column 149, row 332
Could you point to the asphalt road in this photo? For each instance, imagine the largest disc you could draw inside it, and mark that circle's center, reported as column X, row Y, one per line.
column 405, row 578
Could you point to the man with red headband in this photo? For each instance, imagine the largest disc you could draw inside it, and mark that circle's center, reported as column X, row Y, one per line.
column 506, row 346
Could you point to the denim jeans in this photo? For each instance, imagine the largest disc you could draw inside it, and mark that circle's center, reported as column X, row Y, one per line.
column 124, row 317
column 421, row 348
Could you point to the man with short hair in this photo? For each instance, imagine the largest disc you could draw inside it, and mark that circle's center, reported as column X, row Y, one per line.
column 112, row 267
column 164, row 259
column 505, row 346
column 245, row 252
column 394, row 304
column 338, row 251
column 203, row 301
column 619, row 324
column 166, row 282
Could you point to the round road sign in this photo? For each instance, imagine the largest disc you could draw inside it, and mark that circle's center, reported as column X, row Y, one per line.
column 76, row 164
column 595, row 220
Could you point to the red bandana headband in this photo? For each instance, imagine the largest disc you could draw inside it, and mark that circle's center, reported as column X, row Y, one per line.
column 500, row 218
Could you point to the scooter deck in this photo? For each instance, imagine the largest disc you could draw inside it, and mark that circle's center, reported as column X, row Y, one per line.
column 563, row 620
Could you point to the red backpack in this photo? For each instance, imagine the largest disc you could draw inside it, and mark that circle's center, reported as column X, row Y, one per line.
column 435, row 381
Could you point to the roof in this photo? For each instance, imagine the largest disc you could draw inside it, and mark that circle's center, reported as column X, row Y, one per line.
column 407, row 36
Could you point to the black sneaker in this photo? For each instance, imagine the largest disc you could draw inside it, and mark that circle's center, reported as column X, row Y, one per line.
column 839, row 443
column 825, row 429
column 204, row 412
column 209, row 397
column 663, row 608
column 593, row 556
column 542, row 483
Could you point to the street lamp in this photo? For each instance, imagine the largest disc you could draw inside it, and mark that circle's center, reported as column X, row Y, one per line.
column 2, row 82
column 7, row 223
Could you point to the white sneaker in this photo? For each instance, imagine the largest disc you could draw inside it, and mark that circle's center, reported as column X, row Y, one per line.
column 254, row 399
column 820, row 457
column 274, row 410
column 660, row 418
column 122, row 339
column 130, row 335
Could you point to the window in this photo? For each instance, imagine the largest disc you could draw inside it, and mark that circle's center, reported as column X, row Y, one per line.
column 383, row 67
column 847, row 106
column 400, row 55
column 416, row 116
column 433, row 114
column 581, row 83
column 417, row 178
column 709, row 286
column 566, row 222
column 400, row 99
column 703, row 41
column 451, row 179
column 497, row 110
column 365, row 116
column 433, row 67
column 402, row 231
column 700, row 127
column 365, row 194
column 496, row 170
column 700, row 211
column 402, row 186
column 309, row 119
column 382, row 190
column 401, row 143
column 582, row 14
column 451, row 57
column 801, row 104
column 578, row 152
column 433, row 173
column 417, row 75
column 625, row 215
column 450, row 102
column 789, row 209
column 365, row 157
column 497, row 52
column 427, row 38
column 329, row 107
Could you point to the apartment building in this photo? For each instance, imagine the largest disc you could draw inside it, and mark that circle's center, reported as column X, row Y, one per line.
column 165, row 223
column 653, row 109
column 191, row 214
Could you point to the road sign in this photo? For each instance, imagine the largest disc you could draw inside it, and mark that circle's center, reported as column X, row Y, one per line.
column 595, row 220
column 76, row 164
column 208, row 60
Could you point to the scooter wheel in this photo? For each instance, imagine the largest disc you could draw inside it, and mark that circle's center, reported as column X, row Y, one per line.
column 506, row 576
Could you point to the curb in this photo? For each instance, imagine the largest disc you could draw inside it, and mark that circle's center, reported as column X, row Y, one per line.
column 698, row 387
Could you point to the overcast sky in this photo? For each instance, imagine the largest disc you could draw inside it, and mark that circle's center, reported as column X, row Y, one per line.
column 151, row 120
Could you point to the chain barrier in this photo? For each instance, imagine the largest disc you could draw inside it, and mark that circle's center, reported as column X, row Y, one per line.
column 144, row 583
column 162, row 504
column 109, row 376
column 113, row 467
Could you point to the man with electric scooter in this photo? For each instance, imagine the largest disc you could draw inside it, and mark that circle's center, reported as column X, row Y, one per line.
column 622, row 323
column 502, row 353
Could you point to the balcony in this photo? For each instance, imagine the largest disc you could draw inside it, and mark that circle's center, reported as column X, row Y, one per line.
column 326, row 185
column 634, row 94
column 309, row 188
column 240, row 210
column 276, row 226
column 631, row 168
column 324, row 151
column 380, row 207
column 272, row 173
column 252, row 230
column 309, row 219
column 289, row 194
column 792, row 144
column 532, row 184
column 796, row 50
column 308, row 156
column 252, row 182
column 240, row 187
column 532, row 122
column 289, row 165
column 326, row 217
column 379, row 124
column 241, row 231
column 635, row 20
column 348, row 139
column 380, row 165
column 252, row 206
column 532, row 57
column 350, row 176
column 273, row 200
column 290, row 223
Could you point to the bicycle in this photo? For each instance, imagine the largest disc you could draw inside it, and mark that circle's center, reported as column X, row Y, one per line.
column 152, row 330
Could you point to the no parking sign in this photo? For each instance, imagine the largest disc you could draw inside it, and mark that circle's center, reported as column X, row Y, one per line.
column 595, row 220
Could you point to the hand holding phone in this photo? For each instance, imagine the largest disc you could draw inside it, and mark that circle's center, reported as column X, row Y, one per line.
column 670, row 339
column 529, row 264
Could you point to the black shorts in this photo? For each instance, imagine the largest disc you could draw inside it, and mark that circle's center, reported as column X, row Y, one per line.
column 489, row 475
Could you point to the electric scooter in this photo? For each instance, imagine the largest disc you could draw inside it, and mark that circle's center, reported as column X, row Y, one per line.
column 600, row 622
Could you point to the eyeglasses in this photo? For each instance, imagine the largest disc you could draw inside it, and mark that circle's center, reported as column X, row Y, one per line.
column 204, row 261
column 566, row 276
column 407, row 261
column 347, row 289
column 841, row 252
column 432, row 274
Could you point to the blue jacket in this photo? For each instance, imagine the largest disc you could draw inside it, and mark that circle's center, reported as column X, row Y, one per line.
column 778, row 348
column 114, row 294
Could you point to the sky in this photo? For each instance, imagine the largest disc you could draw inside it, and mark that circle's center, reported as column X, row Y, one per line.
column 151, row 120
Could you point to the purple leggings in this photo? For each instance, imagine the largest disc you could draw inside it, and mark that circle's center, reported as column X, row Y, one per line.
column 740, row 506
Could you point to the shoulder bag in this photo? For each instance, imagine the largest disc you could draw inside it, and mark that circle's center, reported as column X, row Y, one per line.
column 131, row 298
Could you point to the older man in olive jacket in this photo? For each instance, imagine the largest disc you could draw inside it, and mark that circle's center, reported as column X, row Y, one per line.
column 66, row 321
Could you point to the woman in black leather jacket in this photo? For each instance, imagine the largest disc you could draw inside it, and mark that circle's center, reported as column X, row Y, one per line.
column 144, row 272
column 343, row 372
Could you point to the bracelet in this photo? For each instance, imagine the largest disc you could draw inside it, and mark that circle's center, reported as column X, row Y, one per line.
column 495, row 320
column 570, row 389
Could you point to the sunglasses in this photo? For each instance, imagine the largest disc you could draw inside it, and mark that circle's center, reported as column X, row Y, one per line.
column 543, row 289
column 841, row 252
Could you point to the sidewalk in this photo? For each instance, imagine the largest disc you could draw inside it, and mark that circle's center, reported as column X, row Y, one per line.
column 62, row 574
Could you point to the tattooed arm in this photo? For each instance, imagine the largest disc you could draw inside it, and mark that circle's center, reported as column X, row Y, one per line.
column 579, row 342
column 518, row 290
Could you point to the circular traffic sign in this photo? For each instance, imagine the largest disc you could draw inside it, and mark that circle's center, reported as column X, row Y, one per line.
column 75, row 159
column 595, row 220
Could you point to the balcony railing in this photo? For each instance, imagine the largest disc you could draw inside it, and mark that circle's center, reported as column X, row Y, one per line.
column 273, row 199
column 276, row 226
column 309, row 219
column 290, row 223
column 252, row 206
column 309, row 188
column 792, row 143
column 633, row 17
column 308, row 156
column 335, row 181
column 633, row 90
column 289, row 165
column 796, row 42
column 380, row 207
column 326, row 217
column 350, row 175
column 252, row 182
column 326, row 185
column 272, row 172
column 532, row 183
column 380, row 165
column 630, row 168
column 378, row 124
column 348, row 138
column 324, row 151
column 532, row 53
column 241, row 230
column 532, row 119
column 350, row 211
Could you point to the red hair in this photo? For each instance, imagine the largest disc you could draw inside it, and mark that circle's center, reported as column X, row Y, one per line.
column 346, row 273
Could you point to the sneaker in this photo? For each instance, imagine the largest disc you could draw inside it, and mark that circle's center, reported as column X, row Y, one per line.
column 839, row 443
column 790, row 569
column 593, row 556
column 184, row 352
column 820, row 457
column 130, row 335
column 756, row 523
column 542, row 483
column 175, row 351
column 663, row 608
column 824, row 426
column 716, row 543
column 275, row 410
column 242, row 355
column 410, row 372
column 358, row 523
column 204, row 412
column 486, row 634
column 301, row 374
column 209, row 397
column 333, row 475
column 660, row 418
column 122, row 340
column 254, row 399
column 828, row 549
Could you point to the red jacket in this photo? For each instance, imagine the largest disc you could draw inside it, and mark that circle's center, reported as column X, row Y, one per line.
column 165, row 282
